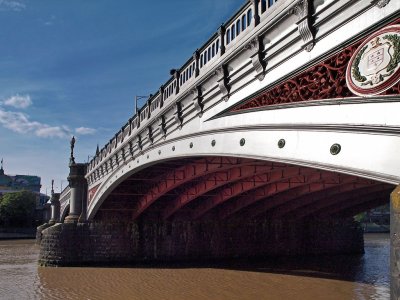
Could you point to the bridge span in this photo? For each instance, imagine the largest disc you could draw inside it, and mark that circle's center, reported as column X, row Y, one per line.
column 268, row 140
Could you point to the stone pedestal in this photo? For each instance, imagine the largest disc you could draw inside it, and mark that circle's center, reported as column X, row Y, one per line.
column 55, row 208
column 78, row 186
column 395, row 244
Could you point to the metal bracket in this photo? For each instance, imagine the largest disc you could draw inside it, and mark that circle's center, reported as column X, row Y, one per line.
column 256, row 48
column 197, row 100
column 380, row 3
column 139, row 142
column 150, row 134
column 178, row 114
column 302, row 9
column 222, row 73
column 163, row 126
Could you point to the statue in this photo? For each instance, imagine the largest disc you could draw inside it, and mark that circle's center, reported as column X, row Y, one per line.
column 72, row 158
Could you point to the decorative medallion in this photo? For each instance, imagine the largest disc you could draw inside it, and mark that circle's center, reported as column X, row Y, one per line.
column 375, row 66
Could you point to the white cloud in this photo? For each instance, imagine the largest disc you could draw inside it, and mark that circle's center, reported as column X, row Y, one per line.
column 18, row 101
column 11, row 5
column 85, row 130
column 56, row 131
column 20, row 123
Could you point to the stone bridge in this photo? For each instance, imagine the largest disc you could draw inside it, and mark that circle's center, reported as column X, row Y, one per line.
column 268, row 140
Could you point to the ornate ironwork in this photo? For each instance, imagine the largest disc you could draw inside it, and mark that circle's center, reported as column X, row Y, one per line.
column 326, row 80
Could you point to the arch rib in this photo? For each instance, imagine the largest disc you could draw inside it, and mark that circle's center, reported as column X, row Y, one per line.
column 355, row 199
column 267, row 204
column 321, row 205
column 342, row 194
column 292, row 188
column 187, row 173
column 240, row 187
column 245, row 174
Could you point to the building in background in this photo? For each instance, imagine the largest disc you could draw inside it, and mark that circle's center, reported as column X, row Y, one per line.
column 16, row 183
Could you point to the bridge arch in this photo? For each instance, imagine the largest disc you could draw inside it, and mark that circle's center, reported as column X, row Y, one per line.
column 219, row 185
column 64, row 213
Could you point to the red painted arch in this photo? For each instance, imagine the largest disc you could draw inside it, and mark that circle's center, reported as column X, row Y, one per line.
column 294, row 187
column 190, row 172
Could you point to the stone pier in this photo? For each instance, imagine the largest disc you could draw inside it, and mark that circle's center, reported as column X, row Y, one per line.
column 395, row 244
column 72, row 244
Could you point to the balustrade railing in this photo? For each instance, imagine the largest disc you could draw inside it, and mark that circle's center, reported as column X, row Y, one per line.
column 229, row 35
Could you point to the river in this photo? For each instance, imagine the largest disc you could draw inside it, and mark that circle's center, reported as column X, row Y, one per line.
column 340, row 277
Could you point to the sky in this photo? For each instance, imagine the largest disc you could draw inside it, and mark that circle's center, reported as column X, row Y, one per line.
column 74, row 67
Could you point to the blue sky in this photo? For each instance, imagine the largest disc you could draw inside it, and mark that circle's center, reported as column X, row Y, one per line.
column 74, row 67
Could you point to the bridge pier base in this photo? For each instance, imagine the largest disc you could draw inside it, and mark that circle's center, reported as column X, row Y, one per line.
column 395, row 244
column 102, row 243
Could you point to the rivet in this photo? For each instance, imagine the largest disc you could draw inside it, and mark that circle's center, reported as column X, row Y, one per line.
column 242, row 142
column 335, row 149
column 281, row 143
column 191, row 145
column 213, row 142
column 173, row 148
column 148, row 156
column 159, row 152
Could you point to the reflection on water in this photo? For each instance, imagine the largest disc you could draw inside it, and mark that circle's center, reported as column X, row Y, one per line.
column 339, row 277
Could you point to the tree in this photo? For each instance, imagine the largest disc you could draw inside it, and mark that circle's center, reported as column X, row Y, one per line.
column 17, row 209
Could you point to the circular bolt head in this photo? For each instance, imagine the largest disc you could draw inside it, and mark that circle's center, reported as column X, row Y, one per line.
column 335, row 149
column 159, row 152
column 281, row 143
column 242, row 142
column 213, row 142
column 191, row 145
column 173, row 148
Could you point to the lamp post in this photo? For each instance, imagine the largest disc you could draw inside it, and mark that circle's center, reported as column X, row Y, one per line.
column 61, row 184
column 136, row 100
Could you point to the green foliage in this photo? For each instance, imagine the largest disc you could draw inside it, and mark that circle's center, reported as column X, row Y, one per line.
column 361, row 217
column 17, row 209
column 395, row 39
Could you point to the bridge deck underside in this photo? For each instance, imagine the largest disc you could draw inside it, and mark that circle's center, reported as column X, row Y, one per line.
column 222, row 188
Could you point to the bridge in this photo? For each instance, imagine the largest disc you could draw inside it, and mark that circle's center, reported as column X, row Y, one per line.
column 268, row 140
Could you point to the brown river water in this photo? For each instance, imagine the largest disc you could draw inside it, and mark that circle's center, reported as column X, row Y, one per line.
column 339, row 277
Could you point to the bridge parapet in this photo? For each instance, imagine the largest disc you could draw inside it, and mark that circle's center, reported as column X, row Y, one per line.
column 200, row 66
column 274, row 32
